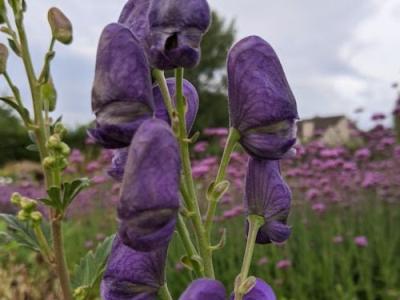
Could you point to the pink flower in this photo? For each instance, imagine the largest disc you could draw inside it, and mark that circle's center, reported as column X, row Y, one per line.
column 200, row 147
column 262, row 261
column 216, row 131
column 361, row 241
column 378, row 117
column 312, row 194
column 319, row 208
column 283, row 264
column 337, row 239
column 362, row 154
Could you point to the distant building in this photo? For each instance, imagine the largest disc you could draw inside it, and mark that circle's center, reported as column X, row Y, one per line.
column 332, row 131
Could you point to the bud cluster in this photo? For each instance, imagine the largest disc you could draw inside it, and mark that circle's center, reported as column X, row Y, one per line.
column 58, row 150
column 28, row 209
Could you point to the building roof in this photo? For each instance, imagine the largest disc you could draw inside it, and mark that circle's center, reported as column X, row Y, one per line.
column 321, row 123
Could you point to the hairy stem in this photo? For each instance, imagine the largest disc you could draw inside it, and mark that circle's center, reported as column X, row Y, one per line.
column 204, row 247
column 231, row 142
column 164, row 293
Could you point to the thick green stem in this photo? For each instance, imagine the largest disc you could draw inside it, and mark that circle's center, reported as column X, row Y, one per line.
column 188, row 245
column 56, row 221
column 164, row 293
column 204, row 246
column 231, row 142
column 162, row 83
column 44, row 246
column 255, row 223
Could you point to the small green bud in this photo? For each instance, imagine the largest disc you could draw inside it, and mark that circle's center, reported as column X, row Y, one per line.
column 54, row 142
column 65, row 149
column 3, row 58
column 16, row 199
column 22, row 215
column 61, row 26
column 28, row 204
column 36, row 216
column 63, row 163
column 49, row 162
column 60, row 130
column 48, row 94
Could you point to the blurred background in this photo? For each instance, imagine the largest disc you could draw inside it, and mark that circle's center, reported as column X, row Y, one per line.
column 342, row 62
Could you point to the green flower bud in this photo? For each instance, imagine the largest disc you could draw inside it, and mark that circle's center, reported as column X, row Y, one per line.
column 22, row 215
column 63, row 163
column 36, row 217
column 49, row 162
column 61, row 26
column 54, row 142
column 27, row 204
column 60, row 129
column 65, row 149
column 3, row 58
column 48, row 94
column 16, row 199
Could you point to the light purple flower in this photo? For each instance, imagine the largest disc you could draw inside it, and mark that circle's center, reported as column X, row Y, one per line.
column 133, row 275
column 268, row 195
column 122, row 91
column 361, row 241
column 149, row 194
column 261, row 104
column 284, row 264
column 204, row 289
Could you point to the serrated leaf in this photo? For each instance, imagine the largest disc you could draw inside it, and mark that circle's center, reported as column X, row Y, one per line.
column 22, row 233
column 32, row 147
column 4, row 238
column 55, row 198
column 92, row 265
column 14, row 47
column 72, row 189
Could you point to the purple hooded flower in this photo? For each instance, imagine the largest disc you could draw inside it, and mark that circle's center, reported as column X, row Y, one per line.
column 133, row 275
column 122, row 92
column 261, row 291
column 176, row 28
column 135, row 16
column 117, row 169
column 192, row 100
column 203, row 288
column 268, row 195
column 261, row 105
column 149, row 194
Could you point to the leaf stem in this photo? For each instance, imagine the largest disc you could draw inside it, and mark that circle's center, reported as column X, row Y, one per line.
column 164, row 293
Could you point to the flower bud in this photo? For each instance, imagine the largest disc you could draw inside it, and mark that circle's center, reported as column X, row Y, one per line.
column 131, row 274
column 261, row 104
column 3, row 58
column 23, row 216
column 149, row 200
column 61, row 26
column 60, row 130
column 192, row 100
column 54, row 142
column 36, row 217
column 122, row 97
column 65, row 149
column 48, row 94
column 204, row 288
column 16, row 199
column 28, row 204
column 268, row 195
column 49, row 162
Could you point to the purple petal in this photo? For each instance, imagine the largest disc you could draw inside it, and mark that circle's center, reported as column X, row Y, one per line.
column 261, row 291
column 149, row 194
column 268, row 195
column 132, row 275
column 122, row 90
column 192, row 100
column 117, row 169
column 176, row 30
column 261, row 104
column 203, row 288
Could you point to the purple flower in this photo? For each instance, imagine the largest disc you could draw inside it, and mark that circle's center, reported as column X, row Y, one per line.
column 176, row 28
column 361, row 241
column 284, row 264
column 149, row 194
column 268, row 195
column 135, row 16
column 122, row 92
column 132, row 275
column 191, row 96
column 203, row 288
column 261, row 291
column 117, row 169
column 261, row 104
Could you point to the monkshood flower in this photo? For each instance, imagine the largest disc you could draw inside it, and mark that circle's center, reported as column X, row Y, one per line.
column 133, row 275
column 204, row 289
column 268, row 195
column 261, row 291
column 261, row 104
column 176, row 28
column 122, row 92
column 192, row 100
column 135, row 16
column 149, row 200
column 117, row 169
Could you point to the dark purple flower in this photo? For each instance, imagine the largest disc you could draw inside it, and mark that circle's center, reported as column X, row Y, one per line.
column 133, row 275
column 122, row 92
column 203, row 288
column 149, row 194
column 117, row 169
column 261, row 291
column 268, row 195
column 192, row 100
column 135, row 16
column 261, row 104
column 176, row 28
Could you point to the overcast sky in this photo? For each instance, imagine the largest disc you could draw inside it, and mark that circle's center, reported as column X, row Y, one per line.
column 338, row 55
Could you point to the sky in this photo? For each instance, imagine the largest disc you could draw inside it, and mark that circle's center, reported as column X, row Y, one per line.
column 338, row 55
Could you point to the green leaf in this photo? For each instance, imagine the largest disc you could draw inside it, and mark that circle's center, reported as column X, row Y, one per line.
column 32, row 147
column 55, row 199
column 14, row 47
column 22, row 233
column 23, row 112
column 72, row 189
column 92, row 265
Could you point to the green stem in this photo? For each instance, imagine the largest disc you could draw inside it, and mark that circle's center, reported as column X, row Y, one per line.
column 231, row 142
column 44, row 246
column 164, row 293
column 204, row 247
column 255, row 223
column 188, row 245
column 162, row 83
